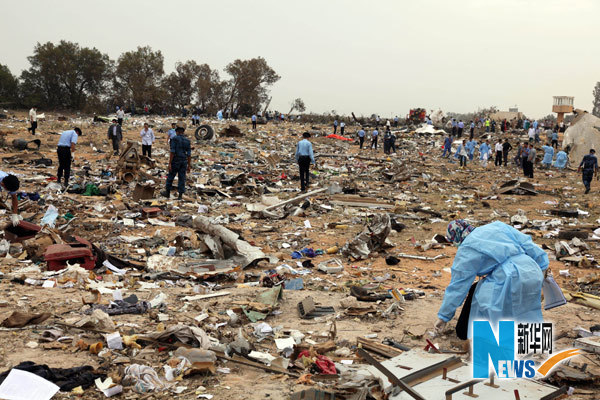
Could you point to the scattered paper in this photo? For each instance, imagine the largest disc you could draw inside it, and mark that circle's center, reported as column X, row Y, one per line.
column 114, row 341
column 114, row 269
column 23, row 385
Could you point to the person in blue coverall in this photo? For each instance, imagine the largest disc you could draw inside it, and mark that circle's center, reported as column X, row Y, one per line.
column 561, row 160
column 512, row 267
column 471, row 145
column 548, row 154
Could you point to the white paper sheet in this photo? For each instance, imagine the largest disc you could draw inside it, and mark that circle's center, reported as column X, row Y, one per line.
column 23, row 385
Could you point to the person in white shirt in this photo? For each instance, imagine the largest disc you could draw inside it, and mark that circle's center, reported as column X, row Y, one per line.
column 498, row 148
column 32, row 120
column 463, row 153
column 531, row 134
column 120, row 116
column 342, row 127
column 147, row 139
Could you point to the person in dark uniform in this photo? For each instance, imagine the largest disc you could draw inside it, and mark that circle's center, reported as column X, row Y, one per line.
column 180, row 162
column 589, row 166
column 115, row 135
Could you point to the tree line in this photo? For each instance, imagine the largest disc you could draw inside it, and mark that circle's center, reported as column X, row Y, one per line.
column 69, row 76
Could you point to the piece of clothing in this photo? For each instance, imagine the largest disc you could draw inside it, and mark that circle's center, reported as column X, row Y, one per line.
column 147, row 136
column 304, row 167
column 114, row 132
column 181, row 148
column 458, row 230
column 462, row 151
column 33, row 127
column 498, row 159
column 66, row 379
column 498, row 146
column 179, row 169
column 484, row 151
column 67, row 137
column 471, row 145
column 447, row 146
column 548, row 155
column 120, row 307
column 172, row 133
column 32, row 115
column 64, row 163
column 361, row 133
column 120, row 114
column 147, row 150
column 304, row 148
column 513, row 267
column 589, row 163
column 361, row 141
column 532, row 154
column 587, row 176
column 462, row 324
column 561, row 160
column 116, row 144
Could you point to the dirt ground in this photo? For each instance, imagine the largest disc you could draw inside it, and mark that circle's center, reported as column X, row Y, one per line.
column 435, row 184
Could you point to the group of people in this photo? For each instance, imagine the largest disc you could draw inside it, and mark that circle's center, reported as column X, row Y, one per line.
column 389, row 140
column 525, row 157
column 179, row 156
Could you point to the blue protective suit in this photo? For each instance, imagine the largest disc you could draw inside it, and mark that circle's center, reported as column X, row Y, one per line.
column 514, row 267
column 471, row 148
column 561, row 160
column 548, row 154
column 483, row 149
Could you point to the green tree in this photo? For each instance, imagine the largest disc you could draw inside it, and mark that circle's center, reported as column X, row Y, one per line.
column 596, row 104
column 65, row 75
column 9, row 86
column 210, row 90
column 248, row 87
column 181, row 84
column 138, row 77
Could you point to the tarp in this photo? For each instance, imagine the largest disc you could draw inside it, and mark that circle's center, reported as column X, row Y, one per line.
column 332, row 136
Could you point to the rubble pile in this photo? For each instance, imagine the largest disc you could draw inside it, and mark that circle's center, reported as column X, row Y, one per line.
column 248, row 288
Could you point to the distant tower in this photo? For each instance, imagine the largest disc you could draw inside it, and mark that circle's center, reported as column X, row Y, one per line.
column 562, row 105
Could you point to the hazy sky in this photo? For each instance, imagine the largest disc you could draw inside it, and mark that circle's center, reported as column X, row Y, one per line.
column 377, row 56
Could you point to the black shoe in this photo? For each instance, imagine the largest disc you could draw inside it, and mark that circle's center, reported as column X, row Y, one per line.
column 587, row 191
column 180, row 196
column 166, row 194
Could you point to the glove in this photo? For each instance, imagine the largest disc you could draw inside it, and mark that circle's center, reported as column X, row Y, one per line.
column 15, row 219
column 439, row 326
